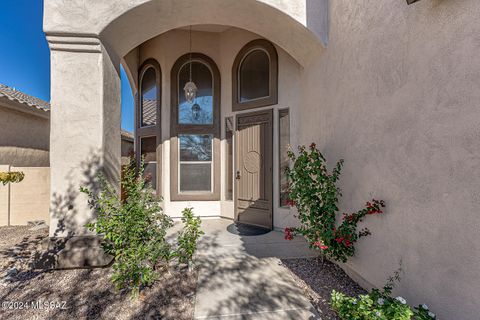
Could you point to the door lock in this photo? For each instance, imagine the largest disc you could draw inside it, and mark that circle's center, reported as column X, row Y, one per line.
column 237, row 175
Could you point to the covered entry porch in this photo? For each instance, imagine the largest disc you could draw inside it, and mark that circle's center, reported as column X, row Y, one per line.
column 192, row 163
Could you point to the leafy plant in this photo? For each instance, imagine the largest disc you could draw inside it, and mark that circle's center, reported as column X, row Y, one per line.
column 313, row 190
column 134, row 229
column 378, row 305
column 11, row 177
column 423, row 313
column 188, row 237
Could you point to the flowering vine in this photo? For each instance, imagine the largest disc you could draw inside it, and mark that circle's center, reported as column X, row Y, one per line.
column 313, row 190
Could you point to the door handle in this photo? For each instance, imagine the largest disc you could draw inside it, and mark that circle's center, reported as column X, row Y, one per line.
column 237, row 175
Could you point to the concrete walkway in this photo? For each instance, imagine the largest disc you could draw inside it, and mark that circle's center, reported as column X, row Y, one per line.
column 242, row 278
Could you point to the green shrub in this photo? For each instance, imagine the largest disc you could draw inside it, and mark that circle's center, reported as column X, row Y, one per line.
column 423, row 313
column 134, row 229
column 313, row 190
column 370, row 306
column 188, row 237
column 378, row 305
column 11, row 177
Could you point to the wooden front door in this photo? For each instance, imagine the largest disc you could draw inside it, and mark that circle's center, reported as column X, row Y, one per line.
column 254, row 161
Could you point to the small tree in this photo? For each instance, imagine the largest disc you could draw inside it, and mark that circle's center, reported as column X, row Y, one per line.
column 188, row 237
column 313, row 190
column 134, row 229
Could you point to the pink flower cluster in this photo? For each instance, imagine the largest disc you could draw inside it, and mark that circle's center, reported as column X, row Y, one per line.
column 288, row 234
column 374, row 206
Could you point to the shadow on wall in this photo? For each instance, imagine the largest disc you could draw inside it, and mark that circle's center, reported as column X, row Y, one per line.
column 63, row 206
column 69, row 244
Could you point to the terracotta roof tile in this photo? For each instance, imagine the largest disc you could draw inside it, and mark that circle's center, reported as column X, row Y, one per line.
column 126, row 134
column 18, row 96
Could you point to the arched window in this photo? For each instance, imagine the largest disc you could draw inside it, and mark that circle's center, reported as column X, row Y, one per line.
column 195, row 130
column 147, row 119
column 255, row 76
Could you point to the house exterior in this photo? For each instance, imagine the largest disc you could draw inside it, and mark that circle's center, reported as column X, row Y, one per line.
column 391, row 88
column 25, row 147
column 24, row 129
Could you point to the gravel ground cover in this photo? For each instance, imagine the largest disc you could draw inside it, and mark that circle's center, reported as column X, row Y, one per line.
column 81, row 294
column 318, row 278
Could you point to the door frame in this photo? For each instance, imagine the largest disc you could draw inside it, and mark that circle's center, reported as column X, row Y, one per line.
column 270, row 113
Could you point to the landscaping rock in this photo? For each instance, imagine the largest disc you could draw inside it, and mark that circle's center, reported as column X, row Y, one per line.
column 86, row 293
column 318, row 277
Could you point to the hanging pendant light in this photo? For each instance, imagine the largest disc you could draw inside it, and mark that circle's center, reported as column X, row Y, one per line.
column 190, row 87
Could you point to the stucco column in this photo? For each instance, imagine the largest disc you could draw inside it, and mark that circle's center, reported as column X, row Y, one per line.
column 85, row 128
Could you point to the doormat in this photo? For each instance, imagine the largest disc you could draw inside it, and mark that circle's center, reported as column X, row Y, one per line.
column 242, row 229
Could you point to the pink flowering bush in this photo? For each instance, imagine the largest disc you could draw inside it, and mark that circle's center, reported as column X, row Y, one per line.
column 313, row 190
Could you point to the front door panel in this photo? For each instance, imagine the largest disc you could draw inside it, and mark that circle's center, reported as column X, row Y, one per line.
column 254, row 154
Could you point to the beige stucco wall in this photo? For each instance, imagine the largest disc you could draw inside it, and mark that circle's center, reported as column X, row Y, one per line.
column 24, row 137
column 85, row 131
column 28, row 200
column 396, row 94
column 222, row 47
column 4, row 198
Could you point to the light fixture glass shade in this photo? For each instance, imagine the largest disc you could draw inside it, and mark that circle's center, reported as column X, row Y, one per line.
column 190, row 91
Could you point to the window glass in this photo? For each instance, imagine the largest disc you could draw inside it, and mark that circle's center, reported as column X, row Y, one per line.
column 195, row 147
column 254, row 76
column 148, row 149
column 229, row 166
column 195, row 177
column 284, row 142
column 195, row 163
column 149, row 98
column 201, row 110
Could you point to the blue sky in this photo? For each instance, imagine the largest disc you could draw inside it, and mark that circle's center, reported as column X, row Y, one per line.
column 25, row 57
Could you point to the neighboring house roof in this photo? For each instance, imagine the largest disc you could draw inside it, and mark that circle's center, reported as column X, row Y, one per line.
column 29, row 101
column 11, row 94
column 127, row 135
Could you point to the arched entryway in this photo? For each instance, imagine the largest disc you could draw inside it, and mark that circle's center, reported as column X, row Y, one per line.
column 89, row 39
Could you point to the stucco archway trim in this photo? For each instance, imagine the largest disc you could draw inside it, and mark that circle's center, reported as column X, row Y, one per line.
column 123, row 25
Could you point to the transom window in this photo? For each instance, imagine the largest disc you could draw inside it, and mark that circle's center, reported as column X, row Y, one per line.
column 195, row 130
column 255, row 76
